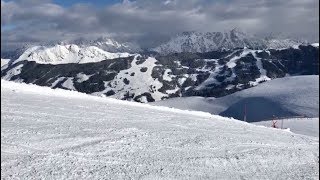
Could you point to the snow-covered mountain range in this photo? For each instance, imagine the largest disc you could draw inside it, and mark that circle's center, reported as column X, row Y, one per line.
column 59, row 132
column 107, row 44
column 70, row 53
column 204, row 64
column 146, row 78
column 92, row 50
column 227, row 40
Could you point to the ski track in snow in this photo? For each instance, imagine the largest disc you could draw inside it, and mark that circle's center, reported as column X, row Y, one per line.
column 59, row 134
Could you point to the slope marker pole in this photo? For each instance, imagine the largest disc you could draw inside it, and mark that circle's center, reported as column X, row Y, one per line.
column 245, row 113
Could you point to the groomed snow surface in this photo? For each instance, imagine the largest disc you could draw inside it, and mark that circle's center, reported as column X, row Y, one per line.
column 58, row 134
column 306, row 126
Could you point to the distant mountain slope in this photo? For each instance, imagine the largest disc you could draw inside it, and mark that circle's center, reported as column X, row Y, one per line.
column 90, row 47
column 107, row 44
column 211, row 41
column 146, row 78
column 283, row 97
column 58, row 134
column 64, row 54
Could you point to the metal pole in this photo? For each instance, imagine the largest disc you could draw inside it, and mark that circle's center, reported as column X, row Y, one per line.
column 245, row 113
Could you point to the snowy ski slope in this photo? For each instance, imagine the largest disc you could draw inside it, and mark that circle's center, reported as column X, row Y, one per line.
column 282, row 97
column 58, row 134
column 306, row 126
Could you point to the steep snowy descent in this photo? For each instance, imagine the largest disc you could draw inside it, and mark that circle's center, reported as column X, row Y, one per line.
column 58, row 134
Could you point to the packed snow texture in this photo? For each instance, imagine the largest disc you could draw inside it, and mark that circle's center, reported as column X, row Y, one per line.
column 63, row 54
column 58, row 134
column 306, row 126
column 283, row 97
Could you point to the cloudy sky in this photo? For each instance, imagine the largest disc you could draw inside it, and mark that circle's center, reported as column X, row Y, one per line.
column 150, row 22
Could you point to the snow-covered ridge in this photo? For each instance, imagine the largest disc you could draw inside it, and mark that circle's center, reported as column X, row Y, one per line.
column 282, row 43
column 71, row 53
column 227, row 40
column 107, row 44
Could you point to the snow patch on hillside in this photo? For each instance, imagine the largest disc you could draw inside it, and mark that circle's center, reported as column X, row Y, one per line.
column 53, row 85
column 263, row 72
column 81, row 77
column 68, row 83
column 13, row 72
column 135, row 81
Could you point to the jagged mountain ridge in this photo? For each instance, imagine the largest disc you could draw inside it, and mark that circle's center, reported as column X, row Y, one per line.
column 68, row 53
column 146, row 78
column 210, row 41
column 106, row 44
column 185, row 42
